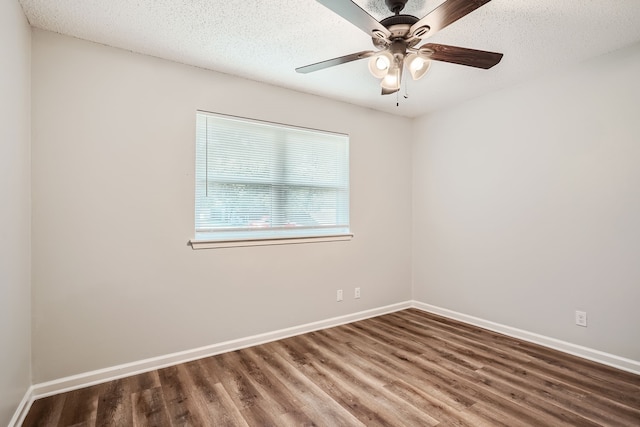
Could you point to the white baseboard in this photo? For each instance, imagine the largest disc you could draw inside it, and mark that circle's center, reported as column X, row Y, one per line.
column 86, row 379
column 612, row 360
column 23, row 409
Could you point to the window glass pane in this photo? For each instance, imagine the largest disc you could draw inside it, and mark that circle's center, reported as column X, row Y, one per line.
column 235, row 205
column 262, row 180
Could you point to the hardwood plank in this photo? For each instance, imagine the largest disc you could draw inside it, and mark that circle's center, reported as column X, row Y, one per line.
column 346, row 386
column 242, row 391
column 355, row 379
column 576, row 371
column 564, row 396
column 149, row 408
column 545, row 410
column 278, row 398
column 207, row 369
column 114, row 404
column 298, row 418
column 435, row 408
column 500, row 416
column 408, row 355
column 316, row 401
column 400, row 365
column 492, row 349
column 436, row 356
column 144, row 381
column 216, row 402
column 45, row 412
column 461, row 379
column 183, row 404
column 602, row 412
column 81, row 406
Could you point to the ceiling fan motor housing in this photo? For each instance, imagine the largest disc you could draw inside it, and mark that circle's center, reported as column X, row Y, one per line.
column 399, row 27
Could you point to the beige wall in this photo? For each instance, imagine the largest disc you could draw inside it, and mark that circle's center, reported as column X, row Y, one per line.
column 15, row 209
column 113, row 191
column 527, row 206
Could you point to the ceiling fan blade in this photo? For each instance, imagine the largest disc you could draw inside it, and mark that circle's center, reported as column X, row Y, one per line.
column 357, row 16
column 461, row 55
column 335, row 61
column 445, row 14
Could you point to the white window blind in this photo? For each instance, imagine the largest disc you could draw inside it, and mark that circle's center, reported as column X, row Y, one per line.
column 259, row 180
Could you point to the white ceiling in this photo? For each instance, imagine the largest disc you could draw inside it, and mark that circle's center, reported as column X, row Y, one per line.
column 266, row 40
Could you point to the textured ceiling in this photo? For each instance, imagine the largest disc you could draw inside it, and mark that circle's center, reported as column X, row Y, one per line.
column 266, row 40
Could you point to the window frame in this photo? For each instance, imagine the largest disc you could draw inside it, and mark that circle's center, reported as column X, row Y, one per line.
column 208, row 240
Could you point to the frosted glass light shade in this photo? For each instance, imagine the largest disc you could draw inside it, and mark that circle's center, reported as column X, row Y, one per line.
column 391, row 82
column 417, row 65
column 379, row 64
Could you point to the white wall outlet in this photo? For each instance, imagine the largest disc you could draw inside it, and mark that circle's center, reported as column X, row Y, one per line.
column 339, row 295
column 356, row 294
column 581, row 318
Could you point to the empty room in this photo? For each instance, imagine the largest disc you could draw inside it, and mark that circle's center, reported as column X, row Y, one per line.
column 320, row 212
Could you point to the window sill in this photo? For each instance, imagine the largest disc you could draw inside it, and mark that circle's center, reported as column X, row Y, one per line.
column 216, row 244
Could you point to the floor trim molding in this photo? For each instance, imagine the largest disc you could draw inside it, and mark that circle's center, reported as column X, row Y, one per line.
column 86, row 379
column 23, row 409
column 612, row 360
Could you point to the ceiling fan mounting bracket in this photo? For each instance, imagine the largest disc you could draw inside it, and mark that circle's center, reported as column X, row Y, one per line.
column 399, row 20
column 395, row 6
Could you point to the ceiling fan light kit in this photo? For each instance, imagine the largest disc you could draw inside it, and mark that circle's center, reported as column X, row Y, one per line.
column 417, row 65
column 396, row 36
column 379, row 64
column 391, row 81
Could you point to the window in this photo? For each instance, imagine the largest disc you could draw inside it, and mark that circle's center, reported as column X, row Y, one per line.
column 258, row 181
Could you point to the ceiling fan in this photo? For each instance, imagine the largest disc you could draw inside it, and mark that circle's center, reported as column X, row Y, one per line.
column 396, row 37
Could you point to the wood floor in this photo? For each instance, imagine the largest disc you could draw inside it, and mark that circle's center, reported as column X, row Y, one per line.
column 408, row 368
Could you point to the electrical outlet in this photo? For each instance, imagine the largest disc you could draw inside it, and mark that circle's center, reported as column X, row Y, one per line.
column 356, row 294
column 581, row 318
column 339, row 295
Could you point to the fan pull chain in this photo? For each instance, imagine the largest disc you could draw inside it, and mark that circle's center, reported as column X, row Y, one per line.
column 405, row 96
